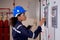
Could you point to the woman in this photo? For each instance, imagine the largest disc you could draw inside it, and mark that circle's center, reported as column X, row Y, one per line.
column 19, row 31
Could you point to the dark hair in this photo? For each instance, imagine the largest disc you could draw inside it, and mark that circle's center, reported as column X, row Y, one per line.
column 13, row 21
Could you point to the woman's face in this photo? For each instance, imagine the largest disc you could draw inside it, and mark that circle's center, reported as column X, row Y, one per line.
column 22, row 17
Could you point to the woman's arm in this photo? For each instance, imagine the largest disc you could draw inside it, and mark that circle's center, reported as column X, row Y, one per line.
column 42, row 21
column 29, row 33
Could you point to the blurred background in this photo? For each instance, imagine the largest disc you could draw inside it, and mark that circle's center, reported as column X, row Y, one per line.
column 36, row 10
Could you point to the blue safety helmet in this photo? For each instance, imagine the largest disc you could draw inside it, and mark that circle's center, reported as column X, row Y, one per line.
column 18, row 10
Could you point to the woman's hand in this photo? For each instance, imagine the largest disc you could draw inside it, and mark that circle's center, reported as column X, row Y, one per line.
column 42, row 21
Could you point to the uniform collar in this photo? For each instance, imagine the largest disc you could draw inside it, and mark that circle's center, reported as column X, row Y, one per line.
column 19, row 22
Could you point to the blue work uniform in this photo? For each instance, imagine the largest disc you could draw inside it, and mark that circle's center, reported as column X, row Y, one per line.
column 19, row 32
